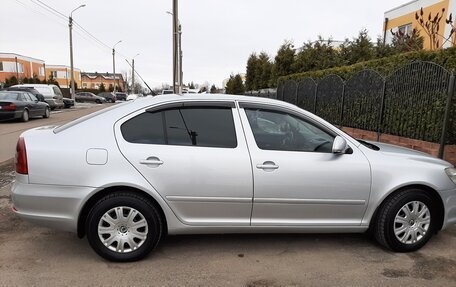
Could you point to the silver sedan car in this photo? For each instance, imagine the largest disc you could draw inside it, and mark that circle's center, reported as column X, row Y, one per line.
column 128, row 175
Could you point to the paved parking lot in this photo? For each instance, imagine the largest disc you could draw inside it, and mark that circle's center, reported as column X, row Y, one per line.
column 10, row 130
column 32, row 255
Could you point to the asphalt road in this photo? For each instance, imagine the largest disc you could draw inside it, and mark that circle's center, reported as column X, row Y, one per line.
column 32, row 255
column 11, row 130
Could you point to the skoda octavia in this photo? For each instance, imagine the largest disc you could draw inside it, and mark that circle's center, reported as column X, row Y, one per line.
column 128, row 175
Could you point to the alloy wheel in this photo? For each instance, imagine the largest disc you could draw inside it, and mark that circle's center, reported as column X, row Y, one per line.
column 412, row 222
column 122, row 229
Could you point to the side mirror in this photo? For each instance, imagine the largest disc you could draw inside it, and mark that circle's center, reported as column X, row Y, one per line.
column 339, row 145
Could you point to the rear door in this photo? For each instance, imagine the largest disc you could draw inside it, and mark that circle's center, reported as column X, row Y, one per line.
column 195, row 155
column 29, row 104
column 38, row 109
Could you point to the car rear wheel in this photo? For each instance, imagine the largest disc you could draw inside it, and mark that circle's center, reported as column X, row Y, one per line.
column 124, row 227
column 25, row 116
column 47, row 113
column 406, row 221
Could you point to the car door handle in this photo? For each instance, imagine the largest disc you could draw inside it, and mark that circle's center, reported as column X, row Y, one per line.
column 267, row 165
column 151, row 161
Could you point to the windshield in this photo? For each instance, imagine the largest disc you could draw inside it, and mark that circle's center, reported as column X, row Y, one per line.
column 8, row 96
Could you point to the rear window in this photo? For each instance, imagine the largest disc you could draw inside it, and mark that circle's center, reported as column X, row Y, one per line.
column 57, row 91
column 8, row 96
column 85, row 118
column 46, row 91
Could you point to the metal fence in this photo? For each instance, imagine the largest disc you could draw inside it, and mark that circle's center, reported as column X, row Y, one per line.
column 416, row 101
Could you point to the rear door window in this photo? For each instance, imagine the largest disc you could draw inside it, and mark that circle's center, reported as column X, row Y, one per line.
column 188, row 126
column 201, row 126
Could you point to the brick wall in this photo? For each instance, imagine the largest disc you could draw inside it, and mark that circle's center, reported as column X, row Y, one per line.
column 427, row 147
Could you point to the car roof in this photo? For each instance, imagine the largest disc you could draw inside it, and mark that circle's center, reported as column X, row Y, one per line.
column 152, row 100
column 34, row 85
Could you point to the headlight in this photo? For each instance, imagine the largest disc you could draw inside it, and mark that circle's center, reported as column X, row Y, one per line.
column 451, row 172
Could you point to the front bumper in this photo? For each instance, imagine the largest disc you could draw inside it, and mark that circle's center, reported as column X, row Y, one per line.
column 449, row 202
column 51, row 206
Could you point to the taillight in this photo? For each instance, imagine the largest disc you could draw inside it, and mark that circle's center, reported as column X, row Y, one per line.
column 21, row 157
column 10, row 107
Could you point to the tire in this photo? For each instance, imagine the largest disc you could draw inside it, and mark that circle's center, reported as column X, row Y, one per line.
column 413, row 230
column 122, row 230
column 112, row 101
column 47, row 113
column 98, row 101
column 25, row 116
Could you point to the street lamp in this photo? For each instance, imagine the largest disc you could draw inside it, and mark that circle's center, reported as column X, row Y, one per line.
column 114, row 63
column 133, row 72
column 177, row 50
column 70, row 25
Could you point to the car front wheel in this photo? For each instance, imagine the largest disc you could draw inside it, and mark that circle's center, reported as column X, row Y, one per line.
column 124, row 227
column 406, row 221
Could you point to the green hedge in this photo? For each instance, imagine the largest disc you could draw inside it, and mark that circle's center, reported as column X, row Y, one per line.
column 385, row 66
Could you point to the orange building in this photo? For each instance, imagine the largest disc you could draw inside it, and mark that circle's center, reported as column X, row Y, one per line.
column 62, row 74
column 94, row 80
column 20, row 66
column 403, row 19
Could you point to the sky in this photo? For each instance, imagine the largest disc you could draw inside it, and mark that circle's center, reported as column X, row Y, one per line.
column 217, row 35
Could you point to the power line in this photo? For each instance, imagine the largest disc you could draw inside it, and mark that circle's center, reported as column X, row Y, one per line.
column 51, row 8
column 91, row 35
column 39, row 12
column 60, row 16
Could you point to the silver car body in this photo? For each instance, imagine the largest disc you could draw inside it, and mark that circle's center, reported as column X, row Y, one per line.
column 210, row 190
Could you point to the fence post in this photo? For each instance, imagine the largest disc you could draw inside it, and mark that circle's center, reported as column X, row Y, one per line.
column 342, row 107
column 296, row 94
column 315, row 98
column 382, row 109
column 446, row 117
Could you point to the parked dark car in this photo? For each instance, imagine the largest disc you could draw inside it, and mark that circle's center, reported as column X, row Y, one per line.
column 89, row 97
column 31, row 90
column 21, row 105
column 67, row 103
column 121, row 96
column 109, row 97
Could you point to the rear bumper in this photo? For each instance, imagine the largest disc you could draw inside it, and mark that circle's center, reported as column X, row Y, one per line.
column 54, row 104
column 10, row 115
column 51, row 206
column 68, row 103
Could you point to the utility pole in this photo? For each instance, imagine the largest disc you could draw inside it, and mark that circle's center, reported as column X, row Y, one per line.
column 114, row 63
column 70, row 25
column 133, row 73
column 175, row 45
column 177, row 50
column 181, row 74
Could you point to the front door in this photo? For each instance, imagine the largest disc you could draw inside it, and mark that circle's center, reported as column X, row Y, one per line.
column 297, row 178
column 196, row 157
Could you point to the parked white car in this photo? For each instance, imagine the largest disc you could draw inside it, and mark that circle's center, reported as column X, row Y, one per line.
column 128, row 175
column 52, row 94
column 133, row 97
